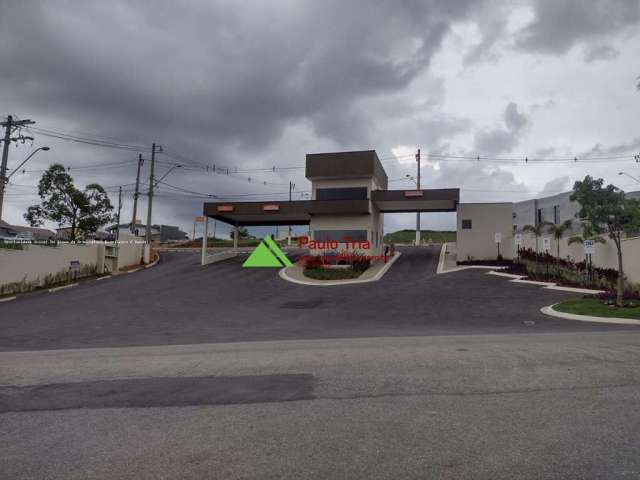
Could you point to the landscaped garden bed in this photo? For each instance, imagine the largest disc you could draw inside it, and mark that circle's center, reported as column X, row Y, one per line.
column 597, row 307
column 543, row 267
column 334, row 267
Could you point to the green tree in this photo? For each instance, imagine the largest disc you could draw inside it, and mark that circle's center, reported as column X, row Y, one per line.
column 609, row 212
column 558, row 231
column 587, row 234
column 537, row 231
column 83, row 210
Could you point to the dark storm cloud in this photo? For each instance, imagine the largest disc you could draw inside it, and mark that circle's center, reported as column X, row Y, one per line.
column 601, row 52
column 559, row 25
column 218, row 70
column 217, row 81
column 502, row 139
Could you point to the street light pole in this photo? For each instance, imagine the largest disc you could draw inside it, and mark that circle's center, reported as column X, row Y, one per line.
column 44, row 149
column 8, row 125
column 630, row 176
column 5, row 180
column 418, row 213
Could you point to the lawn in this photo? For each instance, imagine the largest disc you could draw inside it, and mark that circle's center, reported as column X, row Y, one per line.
column 409, row 236
column 596, row 308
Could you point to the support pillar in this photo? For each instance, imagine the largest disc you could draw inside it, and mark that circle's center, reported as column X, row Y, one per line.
column 235, row 237
column 205, row 232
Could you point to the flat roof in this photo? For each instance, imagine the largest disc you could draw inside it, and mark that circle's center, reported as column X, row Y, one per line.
column 300, row 212
column 345, row 165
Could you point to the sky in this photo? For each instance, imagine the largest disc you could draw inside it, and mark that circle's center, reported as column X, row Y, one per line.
column 248, row 86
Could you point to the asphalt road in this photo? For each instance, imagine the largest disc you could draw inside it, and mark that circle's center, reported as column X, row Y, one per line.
column 190, row 372
column 525, row 406
column 180, row 302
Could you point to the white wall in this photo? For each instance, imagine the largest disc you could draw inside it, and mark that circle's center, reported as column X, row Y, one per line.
column 487, row 219
column 606, row 255
column 35, row 262
column 130, row 254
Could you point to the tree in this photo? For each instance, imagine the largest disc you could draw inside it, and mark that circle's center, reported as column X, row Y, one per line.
column 558, row 231
column 609, row 212
column 587, row 234
column 83, row 210
column 537, row 231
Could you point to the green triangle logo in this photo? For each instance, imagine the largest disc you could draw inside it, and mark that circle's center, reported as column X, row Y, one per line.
column 267, row 254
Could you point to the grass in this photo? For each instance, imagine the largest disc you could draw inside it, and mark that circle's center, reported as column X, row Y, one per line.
column 409, row 236
column 597, row 308
column 331, row 273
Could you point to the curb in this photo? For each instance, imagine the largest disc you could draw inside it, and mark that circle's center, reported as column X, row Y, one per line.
column 152, row 264
column 375, row 278
column 440, row 270
column 548, row 310
column 51, row 290
column 545, row 285
column 7, row 299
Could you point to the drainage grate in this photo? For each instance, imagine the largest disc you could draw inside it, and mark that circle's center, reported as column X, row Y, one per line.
column 304, row 304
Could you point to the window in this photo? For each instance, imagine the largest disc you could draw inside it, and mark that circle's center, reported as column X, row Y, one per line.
column 556, row 214
column 539, row 216
column 340, row 236
column 466, row 224
column 351, row 193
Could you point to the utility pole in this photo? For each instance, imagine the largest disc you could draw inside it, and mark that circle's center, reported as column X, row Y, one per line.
column 8, row 125
column 418, row 213
column 119, row 210
column 136, row 194
column 150, row 193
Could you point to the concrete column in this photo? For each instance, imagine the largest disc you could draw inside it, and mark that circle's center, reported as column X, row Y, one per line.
column 235, row 237
column 205, row 234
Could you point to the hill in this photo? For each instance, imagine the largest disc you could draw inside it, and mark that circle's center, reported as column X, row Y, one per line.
column 409, row 236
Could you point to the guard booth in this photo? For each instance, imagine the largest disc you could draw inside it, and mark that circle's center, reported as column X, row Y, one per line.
column 347, row 206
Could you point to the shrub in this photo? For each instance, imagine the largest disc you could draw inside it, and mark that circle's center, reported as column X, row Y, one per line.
column 331, row 273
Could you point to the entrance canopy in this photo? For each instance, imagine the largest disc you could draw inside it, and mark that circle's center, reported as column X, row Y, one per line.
column 440, row 200
column 300, row 212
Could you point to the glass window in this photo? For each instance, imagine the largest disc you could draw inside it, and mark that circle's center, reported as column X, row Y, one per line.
column 466, row 224
column 556, row 214
column 340, row 236
column 351, row 193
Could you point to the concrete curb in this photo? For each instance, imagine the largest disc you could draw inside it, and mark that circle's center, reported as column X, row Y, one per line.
column 574, row 289
column 533, row 282
column 283, row 274
column 51, row 290
column 7, row 299
column 152, row 264
column 546, row 285
column 441, row 269
column 548, row 310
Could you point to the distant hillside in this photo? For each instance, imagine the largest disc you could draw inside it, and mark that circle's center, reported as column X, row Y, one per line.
column 409, row 236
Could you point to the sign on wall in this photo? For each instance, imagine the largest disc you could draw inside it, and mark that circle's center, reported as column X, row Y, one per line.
column 589, row 247
column 498, row 237
column 518, row 239
column 546, row 244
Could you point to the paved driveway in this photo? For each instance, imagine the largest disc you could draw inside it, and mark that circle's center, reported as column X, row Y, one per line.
column 180, row 302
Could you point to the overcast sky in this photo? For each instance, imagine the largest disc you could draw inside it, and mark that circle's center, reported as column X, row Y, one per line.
column 258, row 84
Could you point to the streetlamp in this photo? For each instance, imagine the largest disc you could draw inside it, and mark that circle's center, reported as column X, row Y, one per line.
column 5, row 180
column 167, row 173
column 44, row 149
column 630, row 176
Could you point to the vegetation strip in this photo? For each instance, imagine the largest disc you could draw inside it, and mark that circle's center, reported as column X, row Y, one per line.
column 597, row 308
